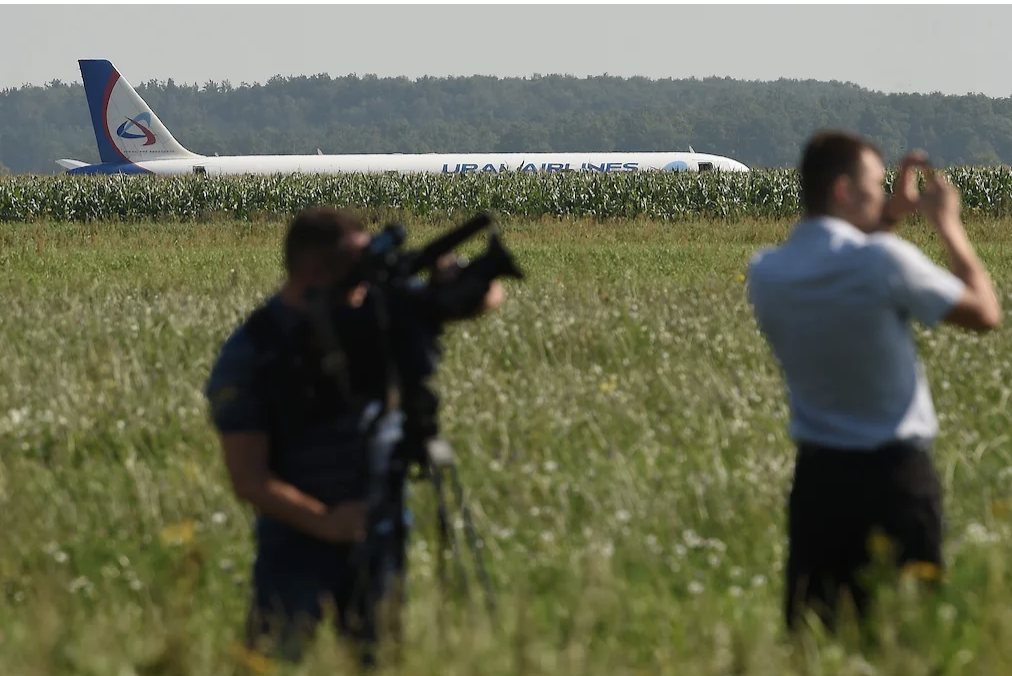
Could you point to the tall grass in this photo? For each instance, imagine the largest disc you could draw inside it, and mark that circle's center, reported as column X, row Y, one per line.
column 619, row 424
column 766, row 194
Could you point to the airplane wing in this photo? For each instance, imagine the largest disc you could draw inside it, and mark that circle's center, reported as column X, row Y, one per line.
column 71, row 164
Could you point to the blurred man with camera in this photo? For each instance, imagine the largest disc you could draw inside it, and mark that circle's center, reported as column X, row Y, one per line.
column 834, row 302
column 293, row 445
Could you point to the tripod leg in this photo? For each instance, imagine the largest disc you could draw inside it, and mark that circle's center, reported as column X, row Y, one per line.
column 446, row 531
column 398, row 573
column 473, row 540
column 441, row 514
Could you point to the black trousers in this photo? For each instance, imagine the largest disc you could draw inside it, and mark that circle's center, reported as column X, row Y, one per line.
column 293, row 586
column 838, row 500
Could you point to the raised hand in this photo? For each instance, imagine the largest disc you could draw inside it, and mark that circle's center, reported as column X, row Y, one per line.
column 905, row 195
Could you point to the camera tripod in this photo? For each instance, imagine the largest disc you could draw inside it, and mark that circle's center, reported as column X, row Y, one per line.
column 440, row 460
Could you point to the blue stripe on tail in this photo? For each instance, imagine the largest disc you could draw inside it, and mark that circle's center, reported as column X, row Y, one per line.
column 98, row 76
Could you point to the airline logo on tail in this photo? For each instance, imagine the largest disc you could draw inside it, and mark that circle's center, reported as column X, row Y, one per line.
column 126, row 129
column 123, row 130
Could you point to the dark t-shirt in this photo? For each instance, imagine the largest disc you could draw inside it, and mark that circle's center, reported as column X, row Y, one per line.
column 324, row 459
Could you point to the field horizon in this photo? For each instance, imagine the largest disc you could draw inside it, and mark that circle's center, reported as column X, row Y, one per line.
column 620, row 430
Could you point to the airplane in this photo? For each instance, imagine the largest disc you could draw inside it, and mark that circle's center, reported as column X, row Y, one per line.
column 132, row 140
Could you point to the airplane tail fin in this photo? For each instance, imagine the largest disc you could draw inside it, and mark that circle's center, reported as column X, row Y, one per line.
column 126, row 128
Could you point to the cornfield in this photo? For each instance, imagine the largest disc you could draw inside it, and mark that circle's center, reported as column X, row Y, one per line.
column 771, row 193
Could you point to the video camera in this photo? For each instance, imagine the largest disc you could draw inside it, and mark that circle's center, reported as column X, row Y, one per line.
column 384, row 264
column 415, row 313
column 403, row 430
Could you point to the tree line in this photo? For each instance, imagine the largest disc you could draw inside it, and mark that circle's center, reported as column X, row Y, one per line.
column 762, row 124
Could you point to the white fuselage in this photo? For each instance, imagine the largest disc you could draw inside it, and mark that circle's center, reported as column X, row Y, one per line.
column 442, row 163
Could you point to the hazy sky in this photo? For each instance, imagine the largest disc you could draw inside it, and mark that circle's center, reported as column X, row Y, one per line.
column 950, row 49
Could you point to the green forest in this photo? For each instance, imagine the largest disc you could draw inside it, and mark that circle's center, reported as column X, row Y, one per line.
column 762, row 124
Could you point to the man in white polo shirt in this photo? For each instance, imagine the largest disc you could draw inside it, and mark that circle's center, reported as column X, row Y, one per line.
column 834, row 302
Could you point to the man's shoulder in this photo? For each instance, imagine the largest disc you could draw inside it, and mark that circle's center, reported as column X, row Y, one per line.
column 233, row 364
column 761, row 257
column 891, row 245
column 760, row 276
column 762, row 262
column 231, row 388
column 238, row 351
column 237, row 345
column 894, row 253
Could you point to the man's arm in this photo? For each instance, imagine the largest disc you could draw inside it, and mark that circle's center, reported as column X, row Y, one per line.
column 237, row 415
column 932, row 294
column 978, row 308
column 494, row 297
column 246, row 460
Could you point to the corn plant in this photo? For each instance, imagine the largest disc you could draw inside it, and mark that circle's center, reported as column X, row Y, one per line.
column 762, row 194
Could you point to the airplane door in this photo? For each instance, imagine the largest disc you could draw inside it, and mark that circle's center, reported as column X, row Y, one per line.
column 706, row 166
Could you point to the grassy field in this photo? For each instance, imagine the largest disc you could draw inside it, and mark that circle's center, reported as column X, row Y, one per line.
column 619, row 424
